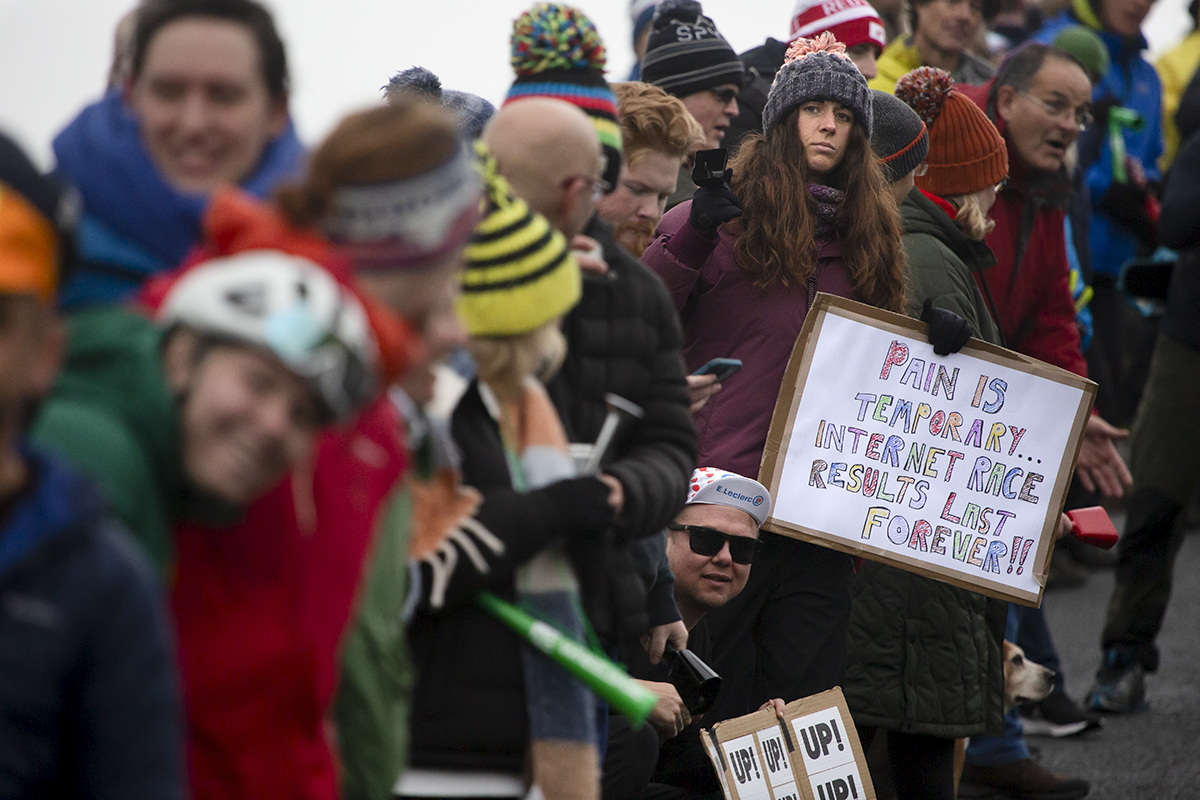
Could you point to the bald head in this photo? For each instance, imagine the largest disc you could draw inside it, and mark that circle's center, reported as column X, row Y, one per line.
column 550, row 153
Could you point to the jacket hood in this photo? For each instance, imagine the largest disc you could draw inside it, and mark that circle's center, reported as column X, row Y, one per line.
column 921, row 215
column 60, row 503
column 1122, row 47
column 113, row 362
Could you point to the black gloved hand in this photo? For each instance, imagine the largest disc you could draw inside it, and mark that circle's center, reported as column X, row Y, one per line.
column 713, row 206
column 583, row 505
column 1101, row 108
column 948, row 332
column 1126, row 204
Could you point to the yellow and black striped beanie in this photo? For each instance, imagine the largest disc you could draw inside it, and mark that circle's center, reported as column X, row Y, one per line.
column 519, row 273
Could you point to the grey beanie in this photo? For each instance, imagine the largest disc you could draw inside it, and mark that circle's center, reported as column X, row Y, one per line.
column 817, row 69
column 473, row 111
column 899, row 140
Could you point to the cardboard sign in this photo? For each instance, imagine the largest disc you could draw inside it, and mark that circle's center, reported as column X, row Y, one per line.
column 954, row 467
column 813, row 753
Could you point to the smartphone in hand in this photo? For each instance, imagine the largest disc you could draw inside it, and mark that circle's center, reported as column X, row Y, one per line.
column 723, row 368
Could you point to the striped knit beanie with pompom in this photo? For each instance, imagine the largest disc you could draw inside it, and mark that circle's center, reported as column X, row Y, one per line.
column 966, row 152
column 519, row 274
column 557, row 53
column 817, row 69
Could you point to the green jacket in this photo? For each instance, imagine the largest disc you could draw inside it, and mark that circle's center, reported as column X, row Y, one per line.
column 924, row 657
column 942, row 263
column 371, row 708
column 113, row 417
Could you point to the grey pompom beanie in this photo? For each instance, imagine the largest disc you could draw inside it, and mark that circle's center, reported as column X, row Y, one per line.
column 818, row 69
column 473, row 111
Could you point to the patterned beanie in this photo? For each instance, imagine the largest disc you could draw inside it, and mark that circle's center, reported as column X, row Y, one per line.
column 853, row 22
column 557, row 53
column 686, row 53
column 899, row 141
column 473, row 111
column 817, row 69
column 966, row 152
column 519, row 273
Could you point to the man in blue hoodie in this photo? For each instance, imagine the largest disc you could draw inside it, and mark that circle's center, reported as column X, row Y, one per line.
column 1122, row 224
column 88, row 699
column 205, row 105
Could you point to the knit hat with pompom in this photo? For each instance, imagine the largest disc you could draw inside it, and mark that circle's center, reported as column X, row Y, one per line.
column 686, row 53
column 557, row 53
column 473, row 111
column 966, row 152
column 817, row 69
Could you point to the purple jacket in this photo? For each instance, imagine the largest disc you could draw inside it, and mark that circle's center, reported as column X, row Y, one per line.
column 725, row 316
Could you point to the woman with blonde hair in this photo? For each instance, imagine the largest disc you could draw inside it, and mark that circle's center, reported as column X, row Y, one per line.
column 816, row 215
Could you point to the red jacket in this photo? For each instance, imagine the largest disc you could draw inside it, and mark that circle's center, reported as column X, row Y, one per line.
column 260, row 609
column 1032, row 298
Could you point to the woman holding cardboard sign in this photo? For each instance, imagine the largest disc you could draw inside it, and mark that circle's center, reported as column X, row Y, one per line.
column 816, row 215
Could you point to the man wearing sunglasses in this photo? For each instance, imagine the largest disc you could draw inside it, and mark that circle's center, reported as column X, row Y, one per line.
column 710, row 546
column 687, row 57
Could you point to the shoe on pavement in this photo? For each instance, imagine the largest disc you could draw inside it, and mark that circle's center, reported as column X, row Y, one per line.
column 1057, row 716
column 1120, row 686
column 1020, row 780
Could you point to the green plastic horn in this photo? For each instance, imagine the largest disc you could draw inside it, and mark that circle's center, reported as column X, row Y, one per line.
column 1121, row 119
column 602, row 676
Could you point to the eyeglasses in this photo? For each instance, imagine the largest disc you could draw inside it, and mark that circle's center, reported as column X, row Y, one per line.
column 709, row 541
column 1000, row 186
column 599, row 185
column 921, row 169
column 1057, row 109
column 726, row 95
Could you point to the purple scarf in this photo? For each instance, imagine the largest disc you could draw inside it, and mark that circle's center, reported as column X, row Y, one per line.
column 829, row 202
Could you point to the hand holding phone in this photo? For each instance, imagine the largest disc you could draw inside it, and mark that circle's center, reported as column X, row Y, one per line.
column 723, row 368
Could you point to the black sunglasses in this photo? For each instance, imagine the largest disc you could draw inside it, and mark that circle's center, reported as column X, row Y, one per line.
column 709, row 541
column 725, row 96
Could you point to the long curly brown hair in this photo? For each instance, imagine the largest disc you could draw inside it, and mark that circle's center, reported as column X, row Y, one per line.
column 777, row 243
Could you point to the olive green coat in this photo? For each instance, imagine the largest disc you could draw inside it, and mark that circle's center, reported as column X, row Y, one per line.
column 924, row 657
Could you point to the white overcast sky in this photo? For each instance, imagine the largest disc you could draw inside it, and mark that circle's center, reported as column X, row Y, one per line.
column 54, row 54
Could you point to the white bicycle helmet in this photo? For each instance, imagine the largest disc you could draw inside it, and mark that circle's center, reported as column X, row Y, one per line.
column 290, row 306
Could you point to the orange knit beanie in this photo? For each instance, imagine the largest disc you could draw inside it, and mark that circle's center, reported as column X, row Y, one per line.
column 966, row 152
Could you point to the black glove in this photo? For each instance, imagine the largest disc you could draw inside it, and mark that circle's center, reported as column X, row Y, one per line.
column 712, row 206
column 948, row 332
column 1101, row 108
column 1126, row 204
column 583, row 505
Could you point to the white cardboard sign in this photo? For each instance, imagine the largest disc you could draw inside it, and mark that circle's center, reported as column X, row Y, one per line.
column 813, row 753
column 955, row 467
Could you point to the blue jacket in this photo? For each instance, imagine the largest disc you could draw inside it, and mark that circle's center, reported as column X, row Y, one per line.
column 1131, row 79
column 88, row 699
column 134, row 223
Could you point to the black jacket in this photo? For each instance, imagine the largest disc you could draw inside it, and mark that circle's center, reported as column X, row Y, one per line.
column 1179, row 228
column 762, row 63
column 89, row 704
column 468, row 707
column 624, row 337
